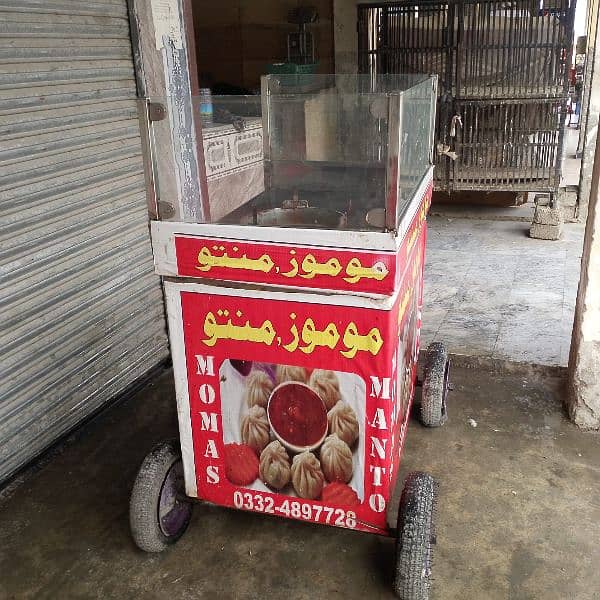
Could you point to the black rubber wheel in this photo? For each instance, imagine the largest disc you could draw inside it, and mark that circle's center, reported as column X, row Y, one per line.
column 434, row 393
column 159, row 511
column 416, row 535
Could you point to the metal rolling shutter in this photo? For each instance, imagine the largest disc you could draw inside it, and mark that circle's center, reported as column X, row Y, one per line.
column 81, row 310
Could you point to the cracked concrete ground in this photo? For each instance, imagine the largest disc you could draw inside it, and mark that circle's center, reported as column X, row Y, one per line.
column 518, row 514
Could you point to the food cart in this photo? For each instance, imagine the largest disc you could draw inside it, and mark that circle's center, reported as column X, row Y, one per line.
column 294, row 318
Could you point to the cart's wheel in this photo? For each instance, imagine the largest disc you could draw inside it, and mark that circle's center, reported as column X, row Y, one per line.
column 435, row 386
column 415, row 537
column 159, row 512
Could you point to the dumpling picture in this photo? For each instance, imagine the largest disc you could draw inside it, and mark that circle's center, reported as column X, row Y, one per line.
column 258, row 389
column 307, row 476
column 327, row 385
column 285, row 373
column 274, row 469
column 255, row 429
column 336, row 460
column 343, row 422
column 294, row 431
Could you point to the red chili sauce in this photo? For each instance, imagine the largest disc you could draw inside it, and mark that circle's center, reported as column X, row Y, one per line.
column 297, row 414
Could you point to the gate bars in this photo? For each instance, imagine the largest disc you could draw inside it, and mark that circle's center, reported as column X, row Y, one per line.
column 503, row 83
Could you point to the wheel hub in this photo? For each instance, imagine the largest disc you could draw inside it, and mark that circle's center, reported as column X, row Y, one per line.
column 446, row 386
column 173, row 510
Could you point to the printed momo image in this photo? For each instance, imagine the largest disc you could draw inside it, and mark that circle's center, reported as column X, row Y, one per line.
column 294, row 431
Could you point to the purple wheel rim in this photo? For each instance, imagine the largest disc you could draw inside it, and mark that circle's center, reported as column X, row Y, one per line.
column 446, row 386
column 173, row 509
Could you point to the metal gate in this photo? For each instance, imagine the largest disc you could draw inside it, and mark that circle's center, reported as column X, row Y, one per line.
column 503, row 83
column 82, row 312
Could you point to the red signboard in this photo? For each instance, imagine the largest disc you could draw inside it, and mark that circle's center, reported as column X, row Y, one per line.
column 286, row 265
column 299, row 401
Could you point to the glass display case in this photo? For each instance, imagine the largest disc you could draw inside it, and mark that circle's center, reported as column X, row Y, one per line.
column 337, row 152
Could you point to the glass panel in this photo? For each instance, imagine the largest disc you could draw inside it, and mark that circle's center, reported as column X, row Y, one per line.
column 312, row 151
column 416, row 139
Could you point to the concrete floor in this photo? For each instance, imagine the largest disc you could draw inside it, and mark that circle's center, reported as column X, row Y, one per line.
column 518, row 516
column 493, row 292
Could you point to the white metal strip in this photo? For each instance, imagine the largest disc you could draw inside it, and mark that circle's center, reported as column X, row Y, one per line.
column 292, row 295
column 174, row 318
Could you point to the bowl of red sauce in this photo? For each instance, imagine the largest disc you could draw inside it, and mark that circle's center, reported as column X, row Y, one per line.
column 297, row 416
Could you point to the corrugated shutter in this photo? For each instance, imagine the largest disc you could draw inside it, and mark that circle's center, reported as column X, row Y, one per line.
column 81, row 309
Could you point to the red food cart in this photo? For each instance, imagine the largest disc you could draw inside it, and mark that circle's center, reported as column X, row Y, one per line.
column 294, row 319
